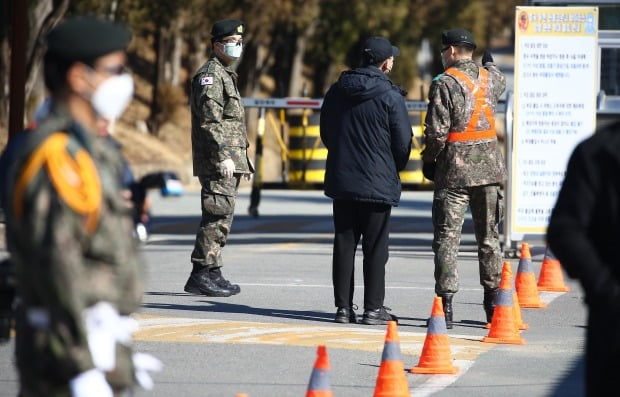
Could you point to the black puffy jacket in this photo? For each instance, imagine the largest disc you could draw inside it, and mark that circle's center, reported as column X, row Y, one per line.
column 367, row 132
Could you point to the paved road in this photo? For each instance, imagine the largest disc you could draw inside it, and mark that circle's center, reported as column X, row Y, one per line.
column 263, row 341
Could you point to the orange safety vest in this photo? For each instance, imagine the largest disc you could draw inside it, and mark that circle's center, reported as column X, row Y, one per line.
column 480, row 106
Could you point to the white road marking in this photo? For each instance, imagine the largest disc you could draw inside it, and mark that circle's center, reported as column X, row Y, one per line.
column 436, row 383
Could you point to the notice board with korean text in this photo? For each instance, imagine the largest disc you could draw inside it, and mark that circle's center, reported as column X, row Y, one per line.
column 555, row 89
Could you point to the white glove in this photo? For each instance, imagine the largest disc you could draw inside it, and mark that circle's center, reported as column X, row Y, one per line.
column 143, row 364
column 101, row 322
column 125, row 330
column 227, row 168
column 90, row 383
column 104, row 328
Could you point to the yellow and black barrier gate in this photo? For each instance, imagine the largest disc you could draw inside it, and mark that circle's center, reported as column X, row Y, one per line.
column 303, row 158
column 307, row 154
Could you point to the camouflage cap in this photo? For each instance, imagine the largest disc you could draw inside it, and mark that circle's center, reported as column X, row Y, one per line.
column 457, row 36
column 86, row 37
column 227, row 27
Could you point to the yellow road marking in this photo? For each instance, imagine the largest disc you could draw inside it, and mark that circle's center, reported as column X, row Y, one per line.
column 188, row 330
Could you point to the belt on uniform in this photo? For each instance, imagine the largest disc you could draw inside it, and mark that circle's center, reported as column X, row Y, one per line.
column 459, row 136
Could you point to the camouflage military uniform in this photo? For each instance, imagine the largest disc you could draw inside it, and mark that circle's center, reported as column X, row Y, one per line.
column 218, row 133
column 69, row 235
column 467, row 173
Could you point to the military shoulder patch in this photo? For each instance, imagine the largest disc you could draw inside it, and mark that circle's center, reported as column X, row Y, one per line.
column 74, row 177
column 206, row 80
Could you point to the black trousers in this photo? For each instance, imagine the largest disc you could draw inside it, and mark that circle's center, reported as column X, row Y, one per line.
column 352, row 220
column 602, row 345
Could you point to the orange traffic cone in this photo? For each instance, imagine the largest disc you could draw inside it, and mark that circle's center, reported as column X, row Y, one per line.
column 504, row 327
column 517, row 308
column 319, row 385
column 436, row 357
column 525, row 281
column 551, row 278
column 391, row 380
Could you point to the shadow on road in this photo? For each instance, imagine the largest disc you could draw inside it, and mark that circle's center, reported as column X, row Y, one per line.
column 223, row 307
column 572, row 383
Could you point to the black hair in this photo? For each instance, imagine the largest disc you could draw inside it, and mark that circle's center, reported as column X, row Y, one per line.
column 377, row 65
column 371, row 62
column 55, row 72
column 464, row 47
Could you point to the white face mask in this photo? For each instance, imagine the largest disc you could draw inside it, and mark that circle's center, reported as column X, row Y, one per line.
column 233, row 50
column 111, row 98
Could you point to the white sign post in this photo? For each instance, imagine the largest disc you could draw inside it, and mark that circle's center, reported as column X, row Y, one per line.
column 556, row 83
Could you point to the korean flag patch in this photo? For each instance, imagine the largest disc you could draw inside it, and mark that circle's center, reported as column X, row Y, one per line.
column 207, row 80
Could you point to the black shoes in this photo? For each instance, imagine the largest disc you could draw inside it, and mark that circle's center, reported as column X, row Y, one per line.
column 446, row 302
column 378, row 316
column 489, row 303
column 200, row 283
column 345, row 315
column 216, row 275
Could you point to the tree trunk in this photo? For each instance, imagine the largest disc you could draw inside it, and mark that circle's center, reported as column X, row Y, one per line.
column 176, row 51
column 158, row 44
column 19, row 38
column 283, row 45
column 5, row 59
column 296, row 78
column 198, row 53
column 43, row 17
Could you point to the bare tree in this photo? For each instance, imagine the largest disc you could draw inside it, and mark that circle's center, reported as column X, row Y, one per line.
column 43, row 17
column 5, row 59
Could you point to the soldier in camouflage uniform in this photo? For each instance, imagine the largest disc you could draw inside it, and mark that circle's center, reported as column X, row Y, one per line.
column 463, row 157
column 69, row 227
column 220, row 157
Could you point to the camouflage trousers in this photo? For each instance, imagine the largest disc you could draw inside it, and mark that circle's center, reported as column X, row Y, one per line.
column 218, row 206
column 487, row 210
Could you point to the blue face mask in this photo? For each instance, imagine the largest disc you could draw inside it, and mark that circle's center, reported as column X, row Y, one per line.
column 233, row 50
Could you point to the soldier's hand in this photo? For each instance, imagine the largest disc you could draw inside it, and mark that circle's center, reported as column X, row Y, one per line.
column 227, row 168
column 428, row 170
column 486, row 57
column 247, row 177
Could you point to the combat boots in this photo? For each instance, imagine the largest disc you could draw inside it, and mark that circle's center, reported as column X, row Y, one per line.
column 489, row 303
column 216, row 275
column 446, row 302
column 201, row 283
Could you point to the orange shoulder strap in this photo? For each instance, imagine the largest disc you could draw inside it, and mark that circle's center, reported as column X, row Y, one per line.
column 480, row 106
column 75, row 178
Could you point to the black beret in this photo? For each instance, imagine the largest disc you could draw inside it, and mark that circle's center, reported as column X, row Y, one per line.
column 227, row 27
column 377, row 49
column 86, row 37
column 457, row 36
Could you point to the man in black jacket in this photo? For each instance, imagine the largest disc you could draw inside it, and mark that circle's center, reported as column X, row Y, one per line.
column 583, row 233
column 366, row 129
